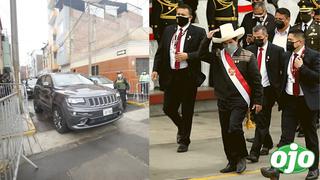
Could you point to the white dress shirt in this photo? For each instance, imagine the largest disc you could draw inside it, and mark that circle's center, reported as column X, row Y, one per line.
column 263, row 70
column 291, row 80
column 263, row 21
column 308, row 23
column 280, row 38
column 183, row 64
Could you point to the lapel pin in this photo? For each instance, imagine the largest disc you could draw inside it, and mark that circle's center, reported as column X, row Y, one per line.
column 189, row 37
column 268, row 57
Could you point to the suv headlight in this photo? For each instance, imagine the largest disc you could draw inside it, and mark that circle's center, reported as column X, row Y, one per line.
column 75, row 100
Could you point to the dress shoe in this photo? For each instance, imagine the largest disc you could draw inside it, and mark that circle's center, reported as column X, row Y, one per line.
column 182, row 148
column 313, row 174
column 253, row 158
column 229, row 168
column 241, row 165
column 300, row 134
column 270, row 172
column 250, row 140
column 264, row 151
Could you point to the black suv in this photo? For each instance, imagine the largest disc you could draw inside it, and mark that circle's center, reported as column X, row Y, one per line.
column 75, row 102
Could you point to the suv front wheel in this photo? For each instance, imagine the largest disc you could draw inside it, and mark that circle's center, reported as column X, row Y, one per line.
column 59, row 121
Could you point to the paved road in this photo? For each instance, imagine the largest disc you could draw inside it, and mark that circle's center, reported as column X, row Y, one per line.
column 121, row 152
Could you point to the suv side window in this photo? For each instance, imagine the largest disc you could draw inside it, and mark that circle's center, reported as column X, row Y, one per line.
column 39, row 81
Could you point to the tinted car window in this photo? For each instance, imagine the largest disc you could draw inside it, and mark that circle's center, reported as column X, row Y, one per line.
column 101, row 80
column 39, row 82
column 49, row 80
column 69, row 79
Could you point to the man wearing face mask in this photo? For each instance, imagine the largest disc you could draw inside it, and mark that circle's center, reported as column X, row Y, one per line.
column 269, row 64
column 258, row 16
column 179, row 68
column 238, row 86
column 308, row 25
column 122, row 85
column 300, row 92
column 282, row 22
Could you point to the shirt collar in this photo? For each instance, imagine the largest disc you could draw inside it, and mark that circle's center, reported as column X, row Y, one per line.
column 265, row 46
column 300, row 51
column 308, row 23
column 184, row 27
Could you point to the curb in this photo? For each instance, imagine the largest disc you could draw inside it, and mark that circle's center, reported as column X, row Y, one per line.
column 31, row 128
column 145, row 104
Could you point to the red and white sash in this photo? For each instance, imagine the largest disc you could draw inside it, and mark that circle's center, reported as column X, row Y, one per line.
column 236, row 76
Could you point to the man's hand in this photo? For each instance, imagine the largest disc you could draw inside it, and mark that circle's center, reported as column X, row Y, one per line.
column 154, row 75
column 211, row 33
column 249, row 39
column 298, row 62
column 181, row 56
column 257, row 107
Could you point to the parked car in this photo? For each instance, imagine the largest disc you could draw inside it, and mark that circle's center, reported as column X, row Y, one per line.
column 30, row 83
column 102, row 81
column 76, row 102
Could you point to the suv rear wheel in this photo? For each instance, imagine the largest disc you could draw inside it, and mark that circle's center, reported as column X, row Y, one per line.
column 59, row 121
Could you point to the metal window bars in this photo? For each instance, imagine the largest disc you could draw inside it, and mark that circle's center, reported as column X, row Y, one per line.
column 13, row 105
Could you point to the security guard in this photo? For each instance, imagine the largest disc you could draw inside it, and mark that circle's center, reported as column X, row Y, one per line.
column 164, row 14
column 308, row 25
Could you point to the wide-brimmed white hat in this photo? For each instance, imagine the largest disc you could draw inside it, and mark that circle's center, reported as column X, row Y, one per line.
column 227, row 32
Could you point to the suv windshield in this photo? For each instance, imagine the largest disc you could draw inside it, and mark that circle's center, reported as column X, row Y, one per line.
column 101, row 80
column 32, row 82
column 70, row 79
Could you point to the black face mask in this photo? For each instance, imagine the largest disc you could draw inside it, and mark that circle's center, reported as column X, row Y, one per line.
column 279, row 24
column 290, row 46
column 305, row 17
column 259, row 42
column 182, row 21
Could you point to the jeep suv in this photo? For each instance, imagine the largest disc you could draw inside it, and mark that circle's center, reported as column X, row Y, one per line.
column 76, row 102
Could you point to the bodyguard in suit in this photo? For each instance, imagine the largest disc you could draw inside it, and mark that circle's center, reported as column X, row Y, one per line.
column 308, row 25
column 299, row 98
column 269, row 64
column 282, row 22
column 257, row 17
column 179, row 68
column 237, row 86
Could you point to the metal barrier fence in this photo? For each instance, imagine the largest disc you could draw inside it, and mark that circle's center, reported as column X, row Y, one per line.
column 141, row 93
column 12, row 108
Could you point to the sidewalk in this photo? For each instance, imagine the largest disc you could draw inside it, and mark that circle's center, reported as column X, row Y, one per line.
column 206, row 155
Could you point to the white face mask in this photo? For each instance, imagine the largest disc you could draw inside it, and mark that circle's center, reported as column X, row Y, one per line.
column 119, row 75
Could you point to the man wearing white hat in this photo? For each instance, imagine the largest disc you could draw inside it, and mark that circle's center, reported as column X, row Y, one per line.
column 238, row 86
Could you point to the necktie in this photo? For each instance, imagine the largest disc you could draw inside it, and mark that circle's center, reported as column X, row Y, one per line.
column 260, row 58
column 295, row 73
column 305, row 28
column 177, row 63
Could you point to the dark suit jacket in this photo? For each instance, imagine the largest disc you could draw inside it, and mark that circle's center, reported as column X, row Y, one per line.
column 162, row 58
column 274, row 63
column 247, row 65
column 309, row 77
column 248, row 23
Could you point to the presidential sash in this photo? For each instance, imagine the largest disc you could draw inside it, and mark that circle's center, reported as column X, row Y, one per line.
column 236, row 76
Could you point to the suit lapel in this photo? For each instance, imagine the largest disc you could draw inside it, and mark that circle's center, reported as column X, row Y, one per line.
column 188, row 38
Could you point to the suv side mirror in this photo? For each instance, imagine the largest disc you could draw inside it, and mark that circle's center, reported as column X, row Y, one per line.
column 46, row 84
column 95, row 81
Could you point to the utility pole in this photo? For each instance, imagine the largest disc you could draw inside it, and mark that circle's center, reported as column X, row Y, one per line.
column 14, row 39
column 15, row 49
column 89, row 40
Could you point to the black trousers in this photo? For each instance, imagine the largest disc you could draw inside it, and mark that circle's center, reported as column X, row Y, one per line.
column 294, row 111
column 180, row 92
column 232, row 113
column 262, row 119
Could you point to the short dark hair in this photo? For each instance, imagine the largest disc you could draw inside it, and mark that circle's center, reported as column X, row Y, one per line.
column 260, row 27
column 297, row 33
column 283, row 11
column 259, row 5
column 185, row 6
